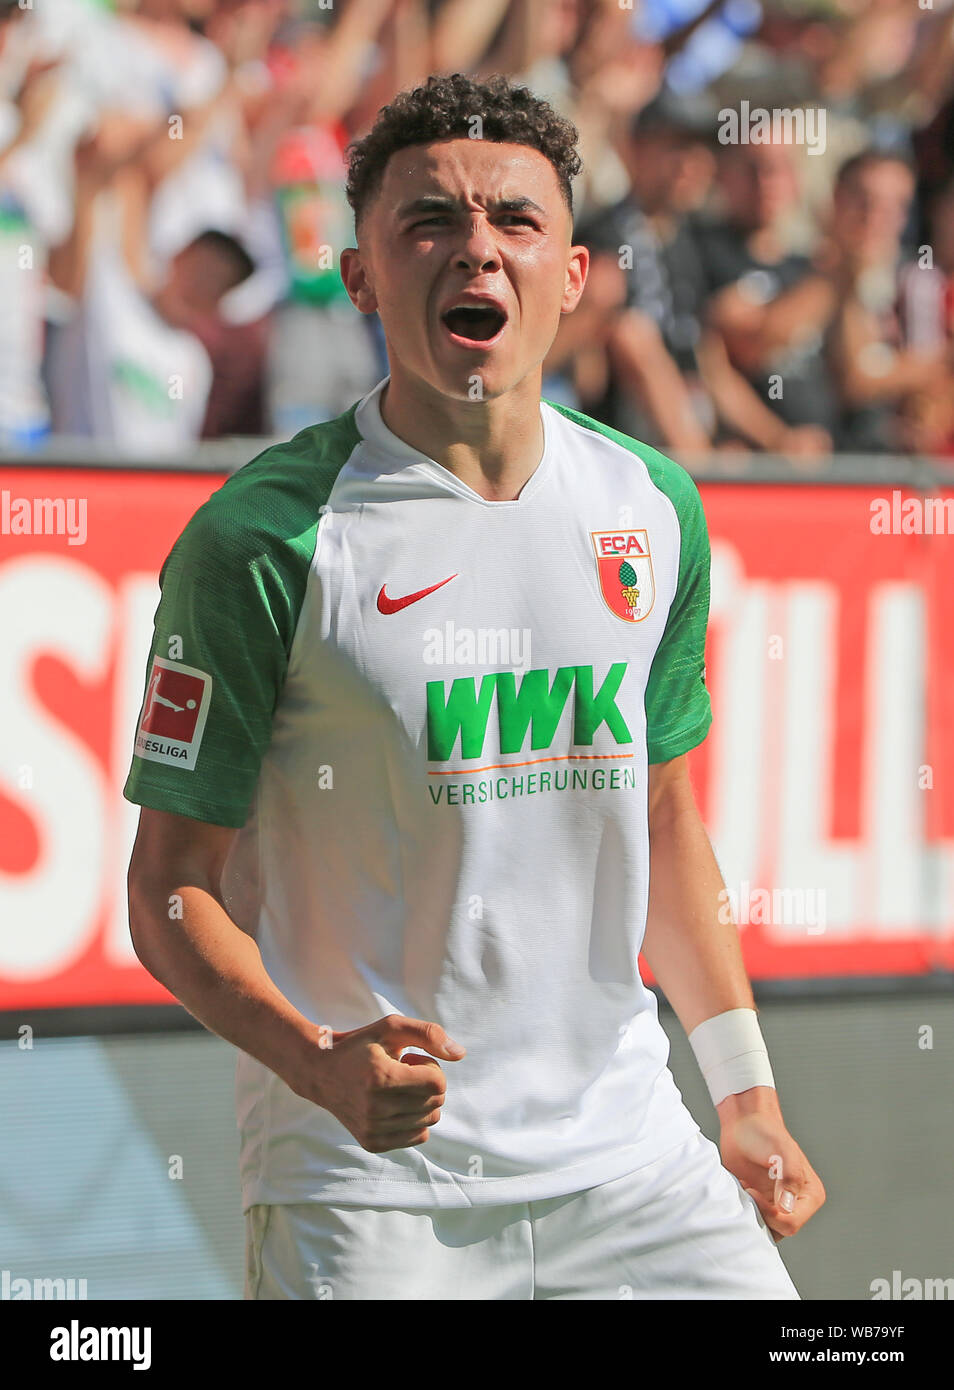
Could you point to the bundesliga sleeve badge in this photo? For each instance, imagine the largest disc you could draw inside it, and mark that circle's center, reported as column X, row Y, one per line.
column 173, row 713
column 625, row 569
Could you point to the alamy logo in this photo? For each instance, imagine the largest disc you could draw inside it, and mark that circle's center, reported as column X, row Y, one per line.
column 754, row 125
column 76, row 1343
column 18, row 1288
column 43, row 516
column 781, row 907
column 451, row 645
column 911, row 1288
column 898, row 515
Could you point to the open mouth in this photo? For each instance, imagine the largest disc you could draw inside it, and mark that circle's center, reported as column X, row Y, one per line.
column 475, row 323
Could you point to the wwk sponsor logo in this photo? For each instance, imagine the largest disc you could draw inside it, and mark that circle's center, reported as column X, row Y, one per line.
column 535, row 706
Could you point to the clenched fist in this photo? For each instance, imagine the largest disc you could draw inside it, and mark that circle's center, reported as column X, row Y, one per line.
column 386, row 1103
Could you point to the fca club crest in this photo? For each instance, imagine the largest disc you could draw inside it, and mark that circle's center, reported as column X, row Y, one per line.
column 626, row 572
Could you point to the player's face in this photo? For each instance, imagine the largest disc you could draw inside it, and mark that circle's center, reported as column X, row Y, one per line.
column 465, row 253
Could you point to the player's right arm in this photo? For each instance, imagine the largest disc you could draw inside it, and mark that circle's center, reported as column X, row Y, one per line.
column 231, row 594
column 215, row 969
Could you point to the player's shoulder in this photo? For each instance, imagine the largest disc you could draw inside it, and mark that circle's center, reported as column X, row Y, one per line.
column 276, row 499
column 663, row 472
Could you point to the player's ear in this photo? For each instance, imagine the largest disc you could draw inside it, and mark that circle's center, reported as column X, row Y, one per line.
column 356, row 281
column 577, row 267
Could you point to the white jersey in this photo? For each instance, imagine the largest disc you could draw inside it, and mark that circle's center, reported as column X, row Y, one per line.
column 430, row 717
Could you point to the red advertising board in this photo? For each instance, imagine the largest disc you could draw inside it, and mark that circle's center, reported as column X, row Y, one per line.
column 76, row 616
column 827, row 780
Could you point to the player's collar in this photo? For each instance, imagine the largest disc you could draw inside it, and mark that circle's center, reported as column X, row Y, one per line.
column 372, row 428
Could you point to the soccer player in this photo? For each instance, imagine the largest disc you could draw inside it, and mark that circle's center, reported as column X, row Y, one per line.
column 438, row 663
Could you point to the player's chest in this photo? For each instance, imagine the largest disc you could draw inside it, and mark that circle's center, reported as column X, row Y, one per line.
column 480, row 627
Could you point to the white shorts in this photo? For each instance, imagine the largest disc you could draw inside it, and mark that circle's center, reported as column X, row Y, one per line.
column 679, row 1228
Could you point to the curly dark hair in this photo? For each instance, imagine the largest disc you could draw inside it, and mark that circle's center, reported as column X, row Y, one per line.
column 444, row 109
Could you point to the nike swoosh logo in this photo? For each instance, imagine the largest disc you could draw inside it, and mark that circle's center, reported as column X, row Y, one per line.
column 394, row 605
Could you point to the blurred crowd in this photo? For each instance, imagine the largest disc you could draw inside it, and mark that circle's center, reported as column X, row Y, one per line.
column 172, row 209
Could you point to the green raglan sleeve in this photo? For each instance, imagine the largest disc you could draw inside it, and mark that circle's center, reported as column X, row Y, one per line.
column 678, row 710
column 231, row 592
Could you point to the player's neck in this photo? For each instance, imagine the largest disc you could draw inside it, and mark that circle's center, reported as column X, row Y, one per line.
column 493, row 446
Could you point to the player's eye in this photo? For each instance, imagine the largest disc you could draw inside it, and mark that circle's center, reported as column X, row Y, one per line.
column 429, row 221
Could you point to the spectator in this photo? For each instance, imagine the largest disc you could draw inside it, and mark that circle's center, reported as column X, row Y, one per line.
column 656, row 391
column 926, row 310
column 791, row 407
column 322, row 355
column 202, row 276
column 750, row 331
column 131, row 368
column 875, row 372
column 160, row 67
column 849, row 304
column 26, row 89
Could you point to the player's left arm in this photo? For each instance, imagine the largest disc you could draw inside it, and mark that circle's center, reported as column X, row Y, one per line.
column 692, row 947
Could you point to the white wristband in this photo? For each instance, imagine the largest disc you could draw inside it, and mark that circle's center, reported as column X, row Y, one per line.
column 731, row 1053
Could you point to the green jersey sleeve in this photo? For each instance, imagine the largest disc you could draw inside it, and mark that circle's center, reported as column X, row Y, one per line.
column 678, row 709
column 232, row 588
